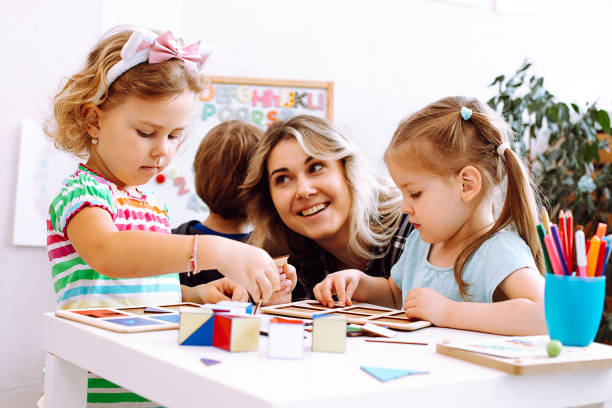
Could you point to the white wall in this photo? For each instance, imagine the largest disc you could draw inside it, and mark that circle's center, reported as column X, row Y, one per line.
column 386, row 58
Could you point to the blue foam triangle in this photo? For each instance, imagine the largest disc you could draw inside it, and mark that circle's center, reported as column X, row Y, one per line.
column 385, row 374
column 209, row 361
column 153, row 309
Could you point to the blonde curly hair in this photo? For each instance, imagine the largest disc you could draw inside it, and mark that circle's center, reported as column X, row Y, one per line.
column 67, row 128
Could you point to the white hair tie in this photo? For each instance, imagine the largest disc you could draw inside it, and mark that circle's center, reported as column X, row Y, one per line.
column 501, row 149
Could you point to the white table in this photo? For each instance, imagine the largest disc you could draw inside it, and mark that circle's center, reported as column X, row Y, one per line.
column 154, row 366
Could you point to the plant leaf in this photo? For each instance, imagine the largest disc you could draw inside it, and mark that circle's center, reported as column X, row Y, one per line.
column 604, row 120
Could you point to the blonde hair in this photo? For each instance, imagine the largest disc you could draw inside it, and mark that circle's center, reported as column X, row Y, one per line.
column 375, row 206
column 440, row 141
column 145, row 80
column 220, row 165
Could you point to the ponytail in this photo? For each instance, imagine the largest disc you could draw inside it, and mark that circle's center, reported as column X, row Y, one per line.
column 519, row 209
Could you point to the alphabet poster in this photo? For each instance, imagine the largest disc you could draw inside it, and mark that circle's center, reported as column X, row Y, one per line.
column 42, row 168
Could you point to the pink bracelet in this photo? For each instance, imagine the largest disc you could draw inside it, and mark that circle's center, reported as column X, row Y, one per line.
column 192, row 266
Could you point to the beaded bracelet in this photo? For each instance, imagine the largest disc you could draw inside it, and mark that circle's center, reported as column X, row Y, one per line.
column 192, row 266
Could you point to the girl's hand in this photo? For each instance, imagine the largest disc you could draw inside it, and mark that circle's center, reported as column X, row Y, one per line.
column 221, row 289
column 288, row 278
column 250, row 267
column 341, row 283
column 428, row 304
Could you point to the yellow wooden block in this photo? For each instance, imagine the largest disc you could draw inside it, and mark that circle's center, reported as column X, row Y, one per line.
column 245, row 334
column 329, row 334
column 191, row 319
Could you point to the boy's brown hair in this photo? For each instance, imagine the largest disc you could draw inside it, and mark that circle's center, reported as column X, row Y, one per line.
column 220, row 166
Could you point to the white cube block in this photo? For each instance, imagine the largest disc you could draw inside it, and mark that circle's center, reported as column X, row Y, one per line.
column 285, row 338
column 237, row 307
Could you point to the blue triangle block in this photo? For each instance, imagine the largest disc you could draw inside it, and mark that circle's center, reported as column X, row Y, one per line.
column 209, row 361
column 202, row 336
column 386, row 374
column 153, row 309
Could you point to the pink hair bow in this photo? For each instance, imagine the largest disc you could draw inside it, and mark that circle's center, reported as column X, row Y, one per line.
column 164, row 48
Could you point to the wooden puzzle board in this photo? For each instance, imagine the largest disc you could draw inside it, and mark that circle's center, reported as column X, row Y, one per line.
column 530, row 356
column 358, row 313
column 129, row 319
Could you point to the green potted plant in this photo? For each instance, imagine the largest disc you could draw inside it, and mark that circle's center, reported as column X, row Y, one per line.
column 567, row 168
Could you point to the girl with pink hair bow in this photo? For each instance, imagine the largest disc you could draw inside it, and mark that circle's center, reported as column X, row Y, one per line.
column 109, row 242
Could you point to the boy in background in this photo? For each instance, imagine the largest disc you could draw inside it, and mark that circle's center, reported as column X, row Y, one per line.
column 220, row 165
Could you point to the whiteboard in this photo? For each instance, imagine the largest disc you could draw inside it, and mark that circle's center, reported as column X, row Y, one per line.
column 43, row 169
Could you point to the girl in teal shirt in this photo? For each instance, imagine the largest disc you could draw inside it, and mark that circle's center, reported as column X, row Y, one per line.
column 462, row 267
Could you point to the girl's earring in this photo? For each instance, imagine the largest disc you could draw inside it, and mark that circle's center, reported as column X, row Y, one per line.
column 465, row 200
column 94, row 141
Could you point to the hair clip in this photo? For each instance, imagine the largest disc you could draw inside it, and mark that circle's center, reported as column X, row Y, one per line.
column 466, row 113
column 147, row 46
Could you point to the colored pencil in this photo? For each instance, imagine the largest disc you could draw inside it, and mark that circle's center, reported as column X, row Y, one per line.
column 555, row 261
column 569, row 229
column 563, row 236
column 587, row 246
column 609, row 239
column 542, row 234
column 581, row 258
column 593, row 256
column 601, row 230
column 545, row 220
column 555, row 234
column 601, row 258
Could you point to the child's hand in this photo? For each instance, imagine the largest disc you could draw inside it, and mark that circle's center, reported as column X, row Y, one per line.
column 288, row 278
column 250, row 267
column 428, row 304
column 341, row 283
column 222, row 289
column 288, row 281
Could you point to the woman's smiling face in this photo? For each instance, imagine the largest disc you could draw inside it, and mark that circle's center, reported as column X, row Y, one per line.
column 311, row 196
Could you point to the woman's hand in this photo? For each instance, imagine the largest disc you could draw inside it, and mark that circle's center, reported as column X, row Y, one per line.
column 218, row 290
column 428, row 304
column 341, row 283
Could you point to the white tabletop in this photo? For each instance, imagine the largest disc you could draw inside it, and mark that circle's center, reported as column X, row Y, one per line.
column 153, row 365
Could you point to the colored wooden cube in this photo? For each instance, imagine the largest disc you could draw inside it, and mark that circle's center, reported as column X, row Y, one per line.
column 195, row 326
column 328, row 333
column 217, row 308
column 236, row 332
column 237, row 307
column 285, row 338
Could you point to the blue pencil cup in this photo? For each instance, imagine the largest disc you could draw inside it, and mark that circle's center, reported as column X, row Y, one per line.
column 573, row 308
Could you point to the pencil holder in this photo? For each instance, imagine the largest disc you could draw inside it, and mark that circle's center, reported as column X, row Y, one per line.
column 573, row 306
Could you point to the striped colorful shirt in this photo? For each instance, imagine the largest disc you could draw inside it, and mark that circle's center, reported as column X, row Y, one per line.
column 76, row 284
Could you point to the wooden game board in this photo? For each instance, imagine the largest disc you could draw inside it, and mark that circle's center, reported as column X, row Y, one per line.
column 129, row 319
column 358, row 313
column 527, row 355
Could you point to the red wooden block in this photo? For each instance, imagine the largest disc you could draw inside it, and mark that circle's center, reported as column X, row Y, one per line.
column 236, row 332
column 222, row 331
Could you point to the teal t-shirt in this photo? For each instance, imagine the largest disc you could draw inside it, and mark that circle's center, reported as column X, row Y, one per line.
column 497, row 258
